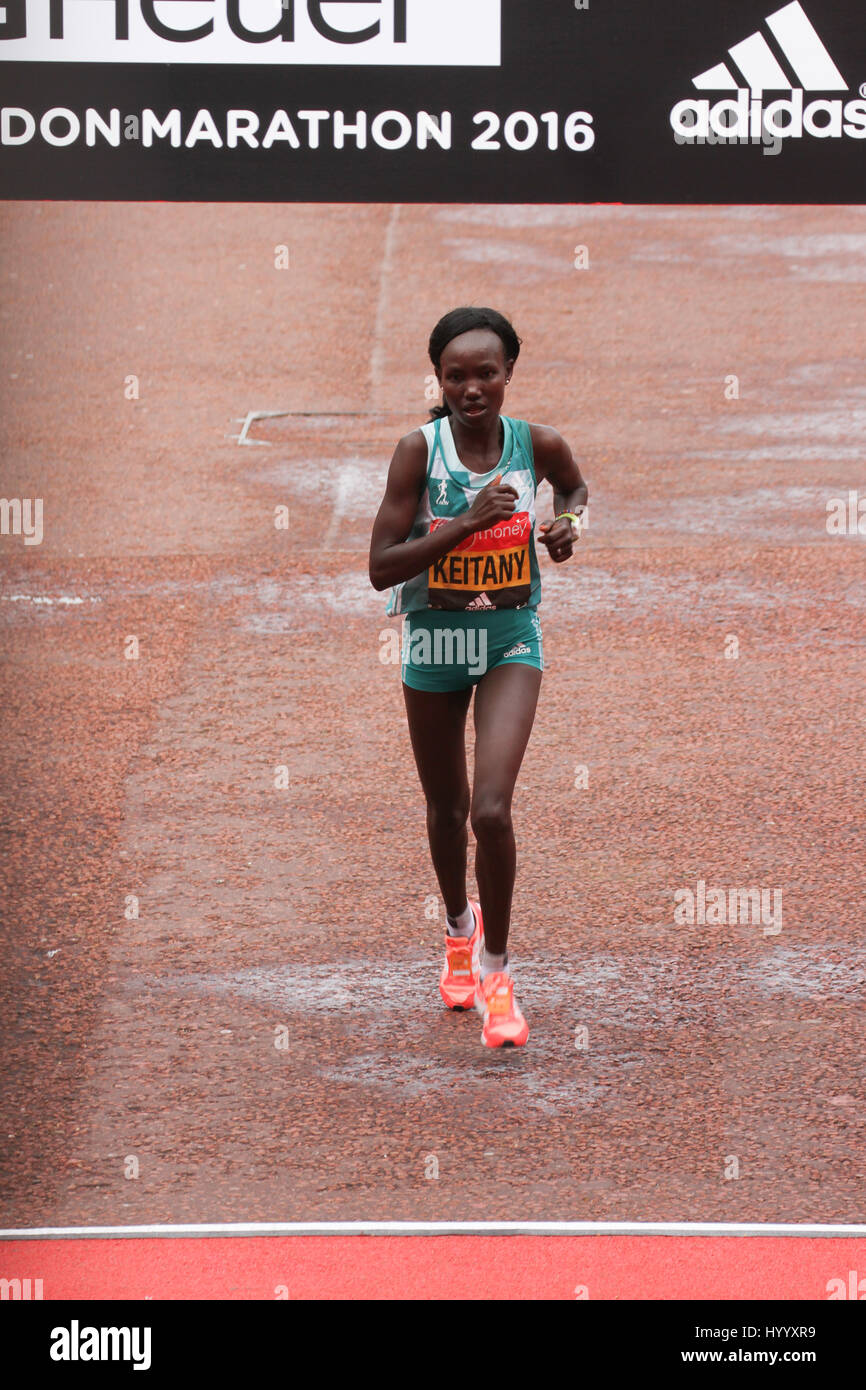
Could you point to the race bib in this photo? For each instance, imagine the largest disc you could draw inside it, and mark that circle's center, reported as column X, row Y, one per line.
column 489, row 569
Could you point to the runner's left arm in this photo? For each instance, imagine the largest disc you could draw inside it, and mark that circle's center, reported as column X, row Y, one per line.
column 555, row 462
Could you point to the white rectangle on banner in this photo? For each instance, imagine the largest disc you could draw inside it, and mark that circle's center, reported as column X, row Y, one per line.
column 353, row 33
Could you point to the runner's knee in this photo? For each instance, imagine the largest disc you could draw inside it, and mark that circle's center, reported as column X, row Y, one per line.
column 448, row 818
column 491, row 816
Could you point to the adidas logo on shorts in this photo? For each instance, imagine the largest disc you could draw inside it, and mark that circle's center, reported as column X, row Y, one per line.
column 520, row 649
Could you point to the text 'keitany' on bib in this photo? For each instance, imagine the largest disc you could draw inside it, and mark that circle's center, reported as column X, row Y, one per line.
column 490, row 569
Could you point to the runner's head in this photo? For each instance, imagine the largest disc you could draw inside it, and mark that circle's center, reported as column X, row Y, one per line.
column 474, row 352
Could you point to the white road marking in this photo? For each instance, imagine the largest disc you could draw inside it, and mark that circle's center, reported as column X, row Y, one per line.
column 251, row 416
column 435, row 1228
column 349, row 481
column 377, row 361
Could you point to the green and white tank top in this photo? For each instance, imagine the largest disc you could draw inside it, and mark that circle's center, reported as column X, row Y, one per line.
column 494, row 568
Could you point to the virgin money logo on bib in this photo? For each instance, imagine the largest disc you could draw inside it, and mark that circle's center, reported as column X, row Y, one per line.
column 490, row 569
column 432, row 33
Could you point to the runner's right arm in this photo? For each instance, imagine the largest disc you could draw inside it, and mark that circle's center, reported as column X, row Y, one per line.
column 393, row 559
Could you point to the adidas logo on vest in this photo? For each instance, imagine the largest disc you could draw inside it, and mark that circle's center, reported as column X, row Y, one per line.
column 482, row 601
column 755, row 69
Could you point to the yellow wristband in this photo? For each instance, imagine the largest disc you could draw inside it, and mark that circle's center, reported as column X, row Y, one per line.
column 577, row 522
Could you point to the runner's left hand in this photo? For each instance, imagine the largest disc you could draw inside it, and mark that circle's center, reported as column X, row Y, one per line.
column 556, row 535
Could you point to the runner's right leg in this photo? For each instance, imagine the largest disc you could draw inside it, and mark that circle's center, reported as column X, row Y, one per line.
column 437, row 728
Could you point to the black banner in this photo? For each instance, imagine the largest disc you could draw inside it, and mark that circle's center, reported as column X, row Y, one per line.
column 737, row 101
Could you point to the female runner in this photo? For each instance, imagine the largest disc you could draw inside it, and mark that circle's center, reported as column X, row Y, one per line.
column 454, row 540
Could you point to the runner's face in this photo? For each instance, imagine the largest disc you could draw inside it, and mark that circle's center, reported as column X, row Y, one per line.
column 473, row 374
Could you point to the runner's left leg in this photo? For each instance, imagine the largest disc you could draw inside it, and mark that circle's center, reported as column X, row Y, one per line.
column 505, row 704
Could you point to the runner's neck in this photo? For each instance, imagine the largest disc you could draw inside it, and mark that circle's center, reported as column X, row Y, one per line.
column 468, row 456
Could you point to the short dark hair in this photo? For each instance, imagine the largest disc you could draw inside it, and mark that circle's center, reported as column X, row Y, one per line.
column 463, row 320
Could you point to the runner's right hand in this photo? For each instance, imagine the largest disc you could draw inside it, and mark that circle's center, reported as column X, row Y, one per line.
column 495, row 502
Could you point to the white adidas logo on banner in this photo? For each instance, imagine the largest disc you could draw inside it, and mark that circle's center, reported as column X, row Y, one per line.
column 754, row 68
column 800, row 45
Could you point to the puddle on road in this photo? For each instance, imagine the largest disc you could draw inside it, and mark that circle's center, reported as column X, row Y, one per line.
column 355, row 483
column 531, row 215
column 21, row 607
column 650, row 989
column 835, row 420
column 524, row 263
column 396, row 1009
column 827, row 256
column 532, row 1083
column 60, row 599
column 804, row 972
column 773, row 513
column 684, row 594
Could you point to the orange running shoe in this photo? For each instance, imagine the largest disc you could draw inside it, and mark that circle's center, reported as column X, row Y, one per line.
column 504, row 1024
column 460, row 971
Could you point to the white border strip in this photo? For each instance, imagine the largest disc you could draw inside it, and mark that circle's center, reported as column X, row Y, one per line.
column 440, row 1228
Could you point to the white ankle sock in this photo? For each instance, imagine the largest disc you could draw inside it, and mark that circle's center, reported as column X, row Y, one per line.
column 490, row 963
column 464, row 925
